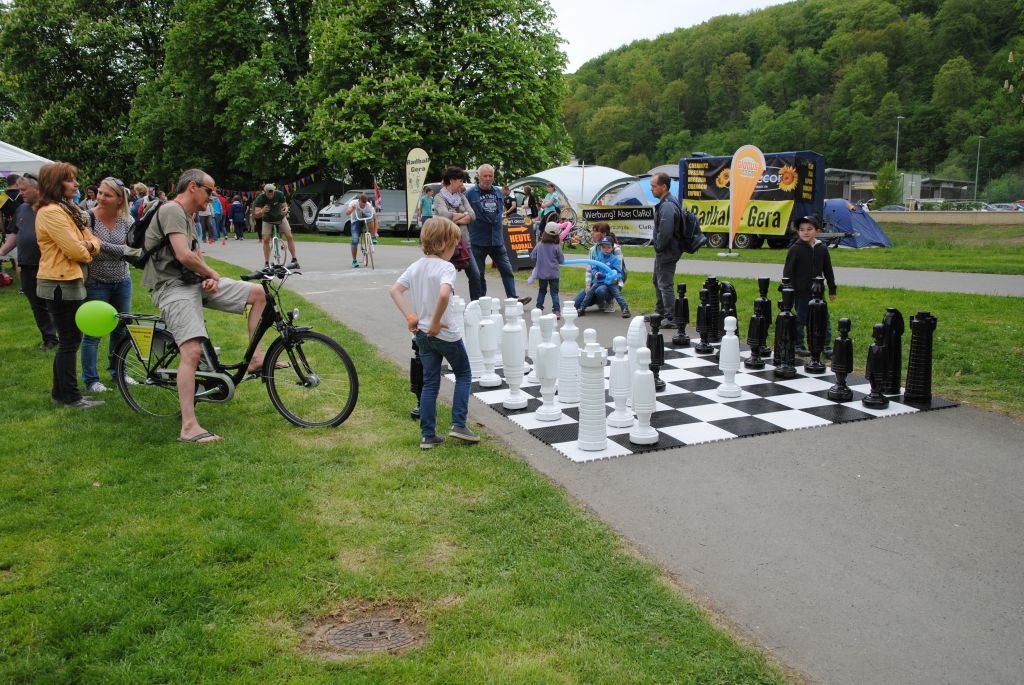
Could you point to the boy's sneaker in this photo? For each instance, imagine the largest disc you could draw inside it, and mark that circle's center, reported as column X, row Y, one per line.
column 463, row 433
column 668, row 323
column 431, row 442
column 608, row 307
column 96, row 387
column 582, row 312
column 355, row 264
column 626, row 314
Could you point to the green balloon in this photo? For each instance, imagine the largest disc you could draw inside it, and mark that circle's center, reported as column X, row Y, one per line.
column 96, row 318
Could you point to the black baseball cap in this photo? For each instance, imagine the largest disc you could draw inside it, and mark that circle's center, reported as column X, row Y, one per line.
column 812, row 219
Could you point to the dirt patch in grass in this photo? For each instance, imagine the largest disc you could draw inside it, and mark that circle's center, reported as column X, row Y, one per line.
column 359, row 627
column 358, row 560
column 441, row 555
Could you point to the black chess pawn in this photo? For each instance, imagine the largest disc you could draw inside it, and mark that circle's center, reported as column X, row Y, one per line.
column 656, row 344
column 766, row 308
column 785, row 337
column 876, row 370
column 703, row 329
column 842, row 363
column 893, row 326
column 415, row 379
column 817, row 321
column 714, row 308
column 728, row 307
column 919, row 363
column 784, row 283
column 682, row 317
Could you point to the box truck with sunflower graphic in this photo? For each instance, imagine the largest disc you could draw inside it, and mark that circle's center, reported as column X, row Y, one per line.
column 792, row 186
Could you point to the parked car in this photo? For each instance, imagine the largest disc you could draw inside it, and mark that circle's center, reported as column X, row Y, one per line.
column 892, row 208
column 1007, row 207
column 391, row 218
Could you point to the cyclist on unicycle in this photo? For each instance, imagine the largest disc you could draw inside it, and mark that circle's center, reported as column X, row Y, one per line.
column 181, row 284
column 272, row 207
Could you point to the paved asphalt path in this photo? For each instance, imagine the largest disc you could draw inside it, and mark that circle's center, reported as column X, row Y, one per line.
column 885, row 551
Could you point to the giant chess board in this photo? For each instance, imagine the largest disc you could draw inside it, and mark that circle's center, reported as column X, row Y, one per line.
column 690, row 412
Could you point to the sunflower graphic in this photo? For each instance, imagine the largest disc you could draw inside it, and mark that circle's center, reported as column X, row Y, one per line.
column 722, row 180
column 787, row 178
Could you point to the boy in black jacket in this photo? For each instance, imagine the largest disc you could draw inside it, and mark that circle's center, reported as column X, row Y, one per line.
column 808, row 258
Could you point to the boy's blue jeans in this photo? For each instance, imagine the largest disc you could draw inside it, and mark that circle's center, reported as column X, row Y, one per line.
column 119, row 295
column 542, row 289
column 802, row 299
column 603, row 292
column 432, row 351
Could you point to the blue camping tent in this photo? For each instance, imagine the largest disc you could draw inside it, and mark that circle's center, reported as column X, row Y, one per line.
column 638, row 193
column 861, row 230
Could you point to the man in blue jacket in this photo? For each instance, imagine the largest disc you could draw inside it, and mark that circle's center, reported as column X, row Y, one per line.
column 485, row 232
column 667, row 250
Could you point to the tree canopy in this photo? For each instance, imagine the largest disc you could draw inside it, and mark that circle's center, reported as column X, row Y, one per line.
column 814, row 74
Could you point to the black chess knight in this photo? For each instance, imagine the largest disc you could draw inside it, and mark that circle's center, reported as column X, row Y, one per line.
column 842, row 363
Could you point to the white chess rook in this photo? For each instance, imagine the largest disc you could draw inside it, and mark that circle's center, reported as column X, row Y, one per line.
column 514, row 354
column 620, row 385
column 729, row 360
column 643, row 400
column 471, row 336
column 547, row 371
column 488, row 345
column 569, row 360
column 532, row 340
column 593, row 433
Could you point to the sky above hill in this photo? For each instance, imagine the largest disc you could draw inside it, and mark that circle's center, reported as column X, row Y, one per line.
column 593, row 27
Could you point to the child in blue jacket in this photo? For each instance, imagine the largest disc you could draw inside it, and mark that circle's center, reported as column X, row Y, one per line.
column 602, row 281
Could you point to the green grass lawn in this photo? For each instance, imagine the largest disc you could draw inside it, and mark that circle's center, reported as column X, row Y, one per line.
column 979, row 342
column 126, row 557
column 979, row 249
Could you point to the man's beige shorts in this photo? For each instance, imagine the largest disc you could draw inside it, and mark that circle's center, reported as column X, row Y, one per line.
column 182, row 305
column 283, row 225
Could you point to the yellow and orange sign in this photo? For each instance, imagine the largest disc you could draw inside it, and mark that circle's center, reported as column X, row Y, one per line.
column 747, row 167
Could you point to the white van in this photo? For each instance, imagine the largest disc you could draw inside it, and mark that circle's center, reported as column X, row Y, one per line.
column 391, row 218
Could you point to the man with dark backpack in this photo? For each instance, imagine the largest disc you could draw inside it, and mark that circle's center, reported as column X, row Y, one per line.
column 668, row 216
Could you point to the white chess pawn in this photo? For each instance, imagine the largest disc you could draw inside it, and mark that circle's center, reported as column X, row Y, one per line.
column 547, row 371
column 458, row 307
column 514, row 354
column 471, row 336
column 593, row 433
column 532, row 340
column 620, row 385
column 636, row 337
column 569, row 359
column 499, row 326
column 643, row 400
column 488, row 346
column 729, row 360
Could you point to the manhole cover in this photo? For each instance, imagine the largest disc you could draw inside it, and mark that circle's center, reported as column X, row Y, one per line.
column 370, row 635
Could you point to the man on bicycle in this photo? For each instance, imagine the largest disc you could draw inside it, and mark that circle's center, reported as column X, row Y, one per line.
column 363, row 218
column 272, row 207
column 180, row 303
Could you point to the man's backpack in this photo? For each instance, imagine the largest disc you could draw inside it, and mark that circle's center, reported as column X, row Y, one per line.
column 688, row 233
column 135, row 240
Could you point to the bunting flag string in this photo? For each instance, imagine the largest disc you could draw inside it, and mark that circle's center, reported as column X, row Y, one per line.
column 288, row 187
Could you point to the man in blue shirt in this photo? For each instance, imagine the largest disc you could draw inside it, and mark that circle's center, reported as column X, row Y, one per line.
column 485, row 232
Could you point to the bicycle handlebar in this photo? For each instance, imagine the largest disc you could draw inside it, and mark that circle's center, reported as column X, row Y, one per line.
column 269, row 274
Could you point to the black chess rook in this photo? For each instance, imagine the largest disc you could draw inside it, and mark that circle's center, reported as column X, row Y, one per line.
column 919, row 362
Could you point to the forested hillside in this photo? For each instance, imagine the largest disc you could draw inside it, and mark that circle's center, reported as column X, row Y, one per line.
column 819, row 74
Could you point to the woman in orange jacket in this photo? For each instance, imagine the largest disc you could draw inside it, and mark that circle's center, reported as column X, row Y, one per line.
column 65, row 245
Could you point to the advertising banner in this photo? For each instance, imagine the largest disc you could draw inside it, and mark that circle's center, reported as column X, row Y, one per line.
column 518, row 236
column 745, row 173
column 626, row 221
column 416, row 163
column 788, row 180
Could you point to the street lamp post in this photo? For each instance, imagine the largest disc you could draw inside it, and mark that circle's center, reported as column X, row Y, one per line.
column 896, row 171
column 977, row 162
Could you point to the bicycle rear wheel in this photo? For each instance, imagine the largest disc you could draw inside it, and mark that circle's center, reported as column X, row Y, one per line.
column 142, row 385
column 318, row 387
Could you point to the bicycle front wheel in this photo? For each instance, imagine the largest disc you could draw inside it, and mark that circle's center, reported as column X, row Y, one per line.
column 316, row 386
column 278, row 253
column 142, row 384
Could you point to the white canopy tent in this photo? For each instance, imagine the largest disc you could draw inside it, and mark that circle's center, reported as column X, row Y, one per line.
column 577, row 184
column 14, row 160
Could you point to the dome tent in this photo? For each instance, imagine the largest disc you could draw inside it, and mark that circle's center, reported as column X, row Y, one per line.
column 14, row 160
column 860, row 229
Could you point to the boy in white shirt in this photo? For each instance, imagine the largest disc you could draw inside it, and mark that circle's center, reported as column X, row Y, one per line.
column 423, row 294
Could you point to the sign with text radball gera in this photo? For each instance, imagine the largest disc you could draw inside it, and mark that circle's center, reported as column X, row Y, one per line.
column 518, row 241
